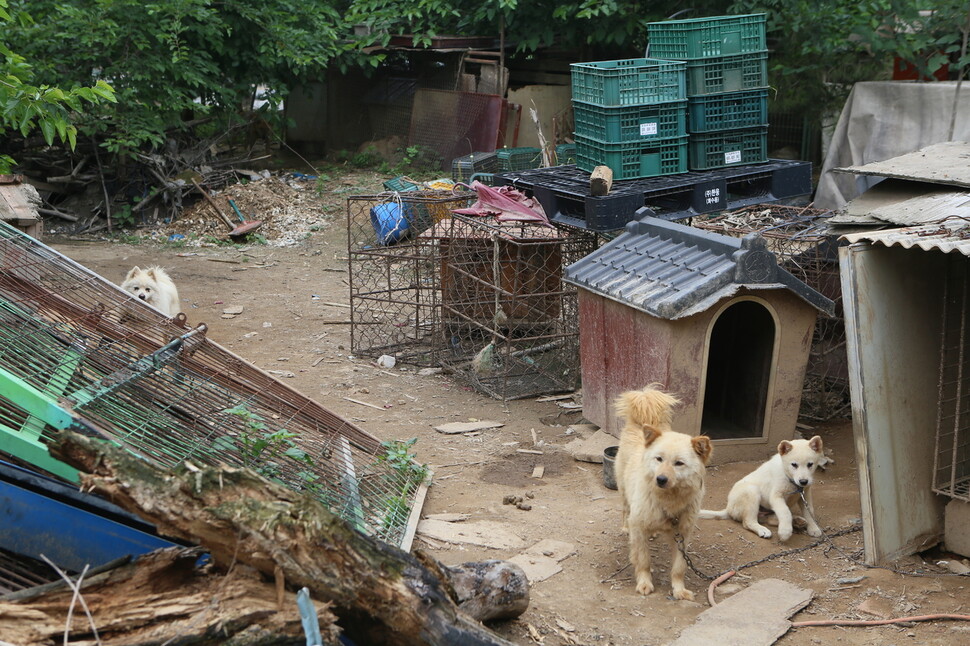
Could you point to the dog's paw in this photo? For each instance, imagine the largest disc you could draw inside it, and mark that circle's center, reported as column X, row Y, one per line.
column 798, row 522
column 683, row 595
column 764, row 532
column 784, row 534
column 814, row 532
column 645, row 586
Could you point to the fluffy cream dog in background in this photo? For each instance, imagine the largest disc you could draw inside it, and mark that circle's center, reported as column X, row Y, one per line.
column 154, row 286
column 660, row 477
column 776, row 485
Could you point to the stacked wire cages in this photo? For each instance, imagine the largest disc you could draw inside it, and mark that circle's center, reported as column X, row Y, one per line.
column 799, row 239
column 108, row 364
column 951, row 466
column 509, row 323
column 395, row 272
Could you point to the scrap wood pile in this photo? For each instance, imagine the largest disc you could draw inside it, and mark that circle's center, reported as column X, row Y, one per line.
column 264, row 543
column 88, row 191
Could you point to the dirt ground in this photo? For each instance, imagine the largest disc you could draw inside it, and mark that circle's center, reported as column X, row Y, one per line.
column 291, row 322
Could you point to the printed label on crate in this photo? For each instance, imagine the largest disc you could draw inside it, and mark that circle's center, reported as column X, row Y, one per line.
column 732, row 157
column 647, row 129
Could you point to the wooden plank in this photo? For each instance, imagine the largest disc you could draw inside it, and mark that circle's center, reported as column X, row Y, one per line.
column 467, row 427
column 756, row 616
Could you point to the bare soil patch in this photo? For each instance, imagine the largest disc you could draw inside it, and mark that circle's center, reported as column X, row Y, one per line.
column 289, row 324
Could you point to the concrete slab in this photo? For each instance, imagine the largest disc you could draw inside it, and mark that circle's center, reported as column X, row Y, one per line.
column 551, row 548
column 467, row 427
column 956, row 527
column 590, row 449
column 536, row 567
column 483, row 533
column 756, row 616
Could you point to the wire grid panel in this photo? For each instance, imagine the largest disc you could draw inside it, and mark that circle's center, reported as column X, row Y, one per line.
column 951, row 464
column 798, row 238
column 510, row 323
column 394, row 280
column 168, row 394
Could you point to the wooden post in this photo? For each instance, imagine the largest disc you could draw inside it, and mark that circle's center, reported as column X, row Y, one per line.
column 601, row 180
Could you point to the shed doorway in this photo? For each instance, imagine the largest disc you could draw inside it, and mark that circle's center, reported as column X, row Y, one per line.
column 740, row 358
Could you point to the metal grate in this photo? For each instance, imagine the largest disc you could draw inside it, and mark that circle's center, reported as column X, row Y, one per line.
column 951, row 464
column 168, row 394
column 798, row 238
column 394, row 272
column 509, row 323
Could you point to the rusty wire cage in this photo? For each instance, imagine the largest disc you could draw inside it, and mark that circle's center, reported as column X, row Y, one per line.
column 395, row 272
column 509, row 323
column 951, row 465
column 116, row 367
column 799, row 239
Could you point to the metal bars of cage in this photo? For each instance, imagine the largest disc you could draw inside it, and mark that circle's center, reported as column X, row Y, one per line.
column 509, row 322
column 395, row 272
column 163, row 391
column 951, row 455
column 799, row 239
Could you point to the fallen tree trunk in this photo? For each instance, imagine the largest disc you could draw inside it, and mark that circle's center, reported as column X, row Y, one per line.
column 162, row 598
column 380, row 594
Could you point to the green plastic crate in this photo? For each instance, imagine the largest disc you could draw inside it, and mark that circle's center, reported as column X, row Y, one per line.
column 521, row 158
column 727, row 74
column 727, row 111
column 634, row 160
column 707, row 37
column 400, row 184
column 636, row 123
column 728, row 148
column 565, row 154
column 462, row 168
column 632, row 81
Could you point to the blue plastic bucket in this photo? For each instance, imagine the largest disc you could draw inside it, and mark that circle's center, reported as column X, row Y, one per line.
column 390, row 222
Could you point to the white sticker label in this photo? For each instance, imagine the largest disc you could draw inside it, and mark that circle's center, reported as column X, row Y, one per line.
column 647, row 129
column 732, row 157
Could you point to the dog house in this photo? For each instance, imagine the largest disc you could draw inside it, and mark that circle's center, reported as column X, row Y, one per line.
column 713, row 319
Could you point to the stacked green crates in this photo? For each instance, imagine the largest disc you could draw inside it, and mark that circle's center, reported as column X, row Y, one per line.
column 727, row 80
column 462, row 168
column 631, row 115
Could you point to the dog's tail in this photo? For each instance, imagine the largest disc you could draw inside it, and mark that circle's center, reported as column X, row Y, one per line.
column 716, row 515
column 648, row 407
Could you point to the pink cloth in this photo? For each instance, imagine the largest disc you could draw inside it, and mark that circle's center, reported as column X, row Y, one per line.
column 506, row 203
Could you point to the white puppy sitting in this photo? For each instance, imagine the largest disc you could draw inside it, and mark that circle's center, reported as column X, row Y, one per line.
column 777, row 485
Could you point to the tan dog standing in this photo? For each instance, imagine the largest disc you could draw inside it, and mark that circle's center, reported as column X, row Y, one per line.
column 777, row 485
column 660, row 477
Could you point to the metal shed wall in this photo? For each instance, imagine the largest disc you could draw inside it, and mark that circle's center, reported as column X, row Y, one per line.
column 892, row 299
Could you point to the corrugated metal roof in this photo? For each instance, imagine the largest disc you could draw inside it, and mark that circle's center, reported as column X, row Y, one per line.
column 925, row 209
column 944, row 163
column 949, row 236
column 671, row 271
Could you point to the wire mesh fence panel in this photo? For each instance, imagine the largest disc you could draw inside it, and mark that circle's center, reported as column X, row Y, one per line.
column 395, row 272
column 509, row 323
column 799, row 239
column 951, row 463
column 165, row 392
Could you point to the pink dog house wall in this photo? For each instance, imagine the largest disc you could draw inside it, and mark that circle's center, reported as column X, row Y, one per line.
column 713, row 319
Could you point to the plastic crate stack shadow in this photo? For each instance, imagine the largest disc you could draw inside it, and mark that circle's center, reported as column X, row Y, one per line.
column 727, row 80
column 395, row 272
column 509, row 323
column 631, row 115
column 799, row 238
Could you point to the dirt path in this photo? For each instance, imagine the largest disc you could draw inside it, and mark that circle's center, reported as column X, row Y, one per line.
column 289, row 323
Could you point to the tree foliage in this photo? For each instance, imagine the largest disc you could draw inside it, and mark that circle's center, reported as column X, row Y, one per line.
column 26, row 106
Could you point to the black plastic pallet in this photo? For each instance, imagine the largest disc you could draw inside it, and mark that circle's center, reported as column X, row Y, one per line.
column 563, row 192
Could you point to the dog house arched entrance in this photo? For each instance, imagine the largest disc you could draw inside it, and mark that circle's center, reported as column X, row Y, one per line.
column 740, row 357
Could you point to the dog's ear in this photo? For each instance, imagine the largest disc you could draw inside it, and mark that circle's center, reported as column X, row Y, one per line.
column 702, row 447
column 650, row 435
column 784, row 447
column 134, row 271
column 151, row 273
column 815, row 444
